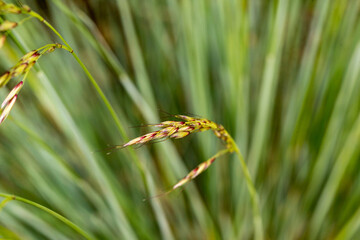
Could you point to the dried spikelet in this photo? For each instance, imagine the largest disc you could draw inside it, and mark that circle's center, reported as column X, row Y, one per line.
column 12, row 93
column 9, row 101
column 7, row 25
column 5, row 112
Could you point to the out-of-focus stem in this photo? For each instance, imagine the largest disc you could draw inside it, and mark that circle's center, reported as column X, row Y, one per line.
column 72, row 225
column 259, row 232
column 88, row 74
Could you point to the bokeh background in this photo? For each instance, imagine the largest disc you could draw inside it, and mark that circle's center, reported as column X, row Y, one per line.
column 281, row 76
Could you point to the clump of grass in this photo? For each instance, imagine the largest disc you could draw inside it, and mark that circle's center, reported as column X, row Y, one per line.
column 288, row 90
column 171, row 129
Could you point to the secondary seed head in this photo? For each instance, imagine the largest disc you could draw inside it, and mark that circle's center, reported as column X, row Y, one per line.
column 194, row 173
column 23, row 65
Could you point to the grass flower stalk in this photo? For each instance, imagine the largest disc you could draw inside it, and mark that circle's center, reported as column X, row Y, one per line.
column 188, row 125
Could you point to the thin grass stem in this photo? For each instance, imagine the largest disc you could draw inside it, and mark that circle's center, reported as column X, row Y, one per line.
column 72, row 225
column 259, row 232
column 88, row 74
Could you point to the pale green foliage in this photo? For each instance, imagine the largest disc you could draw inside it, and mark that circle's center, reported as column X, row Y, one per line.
column 281, row 76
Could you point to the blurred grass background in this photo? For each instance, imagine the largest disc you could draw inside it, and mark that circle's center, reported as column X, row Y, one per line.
column 281, row 76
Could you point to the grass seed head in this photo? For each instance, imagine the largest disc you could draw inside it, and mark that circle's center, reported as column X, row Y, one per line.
column 181, row 129
column 174, row 129
column 21, row 67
